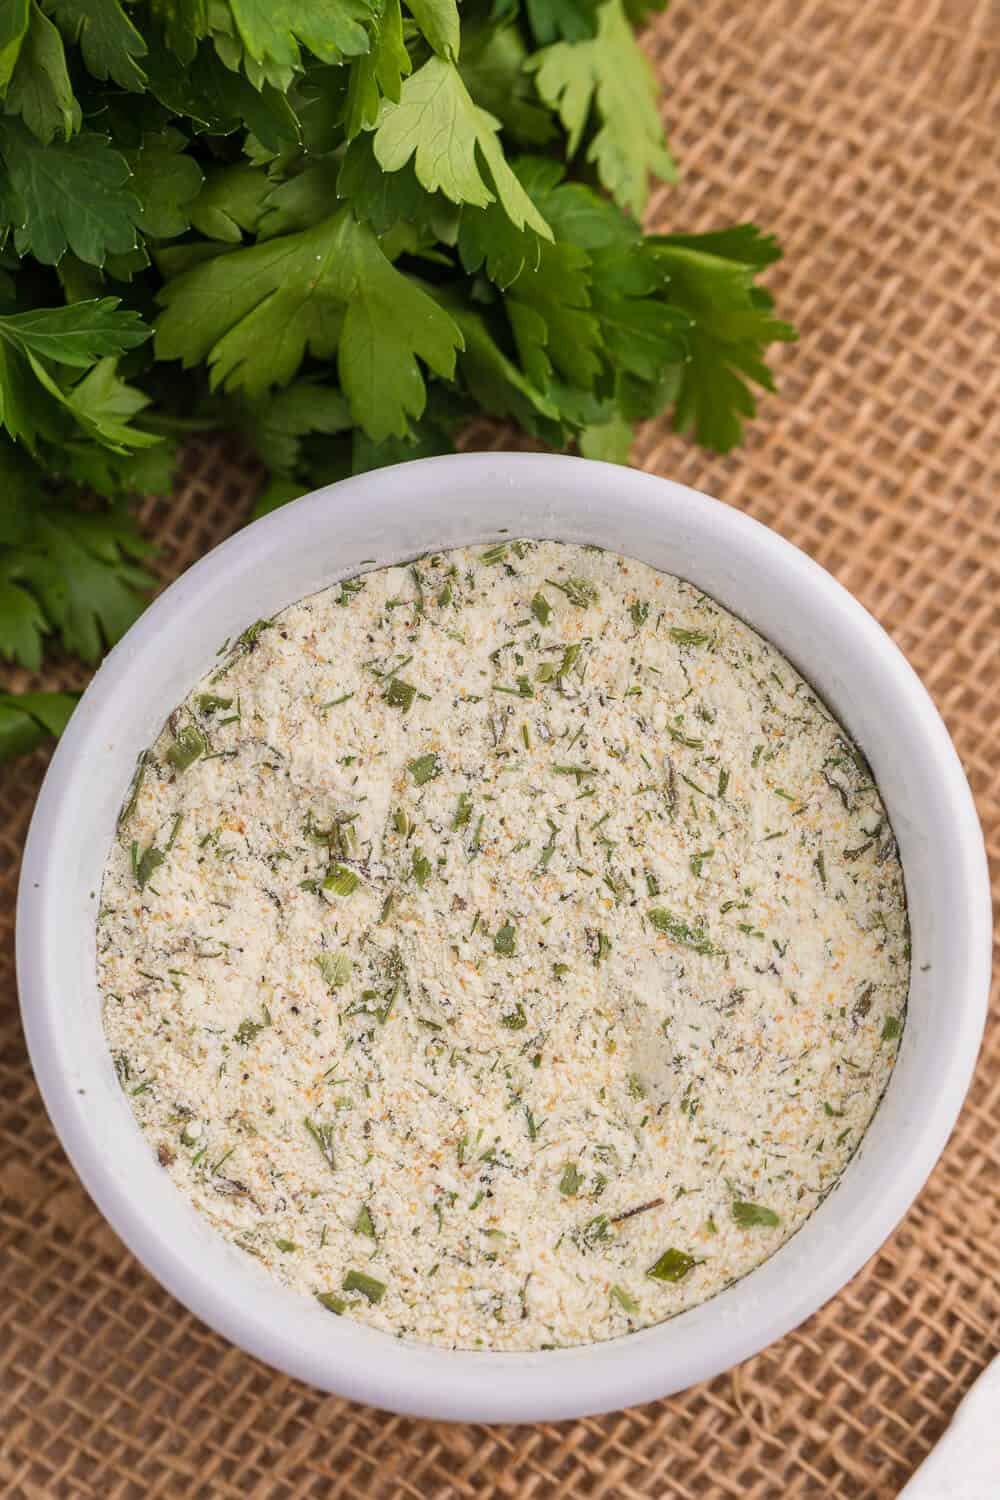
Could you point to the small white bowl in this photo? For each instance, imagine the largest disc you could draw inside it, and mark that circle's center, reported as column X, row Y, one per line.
column 385, row 517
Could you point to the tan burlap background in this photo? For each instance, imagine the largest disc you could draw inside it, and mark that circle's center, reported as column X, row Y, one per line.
column 865, row 134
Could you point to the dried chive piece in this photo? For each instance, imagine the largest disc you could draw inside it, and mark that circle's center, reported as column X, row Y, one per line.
column 331, row 1302
column 891, row 1028
column 323, row 1136
column 626, row 1302
column 516, row 1019
column 749, row 1215
column 541, row 609
column 522, row 690
column 421, row 868
column 335, row 968
column 599, row 945
column 463, row 811
column 187, row 747
column 691, row 741
column 673, row 1265
column 723, row 783
column 286, row 1246
column 680, row 932
column 688, row 637
column 364, row 1224
column 550, row 848
column 135, row 787
column 580, row 773
column 341, row 881
column 579, row 591
column 358, row 1281
column 424, row 768
column 505, row 941
column 697, row 861
column 819, row 865
column 494, row 554
column 639, row 612
column 571, row 1181
column 400, row 694
column 209, row 703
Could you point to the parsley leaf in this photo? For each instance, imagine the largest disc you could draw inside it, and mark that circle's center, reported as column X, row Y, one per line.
column 230, row 200
column 492, row 66
column 438, row 123
column 79, row 568
column 271, row 30
column 109, row 42
column 166, row 182
column 379, row 73
column 27, row 719
column 568, row 20
column 253, row 314
column 438, row 20
column 39, row 89
column 611, row 78
column 712, row 280
column 76, row 335
column 13, row 29
column 68, row 195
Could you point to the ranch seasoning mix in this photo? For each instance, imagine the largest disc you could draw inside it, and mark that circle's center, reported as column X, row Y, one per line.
column 507, row 949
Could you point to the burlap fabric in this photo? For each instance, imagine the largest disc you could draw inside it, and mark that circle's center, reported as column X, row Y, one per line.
column 866, row 136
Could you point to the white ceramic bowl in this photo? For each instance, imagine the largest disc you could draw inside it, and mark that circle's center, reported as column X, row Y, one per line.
column 389, row 516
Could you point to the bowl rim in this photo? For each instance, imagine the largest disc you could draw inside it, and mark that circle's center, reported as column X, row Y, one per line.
column 488, row 1385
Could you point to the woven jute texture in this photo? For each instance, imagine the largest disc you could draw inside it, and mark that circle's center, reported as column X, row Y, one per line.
column 866, row 136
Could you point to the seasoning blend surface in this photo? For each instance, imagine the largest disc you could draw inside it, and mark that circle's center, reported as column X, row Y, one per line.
column 507, row 949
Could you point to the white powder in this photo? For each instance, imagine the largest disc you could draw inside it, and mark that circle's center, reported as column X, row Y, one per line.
column 488, row 932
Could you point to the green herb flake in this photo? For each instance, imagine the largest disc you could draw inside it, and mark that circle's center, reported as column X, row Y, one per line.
column 571, row 1181
column 421, row 868
column 323, row 1135
column 681, row 933
column 145, row 863
column 541, row 609
column 364, row 1224
column 751, row 1215
column 673, row 1265
column 249, row 1029
column 891, row 1028
column 639, row 612
column 210, row 703
column 505, row 941
column 595, row 1232
column 400, row 694
column 335, row 968
column 463, row 812
column 579, row 591
column 625, row 1301
column 340, row 881
column 424, row 768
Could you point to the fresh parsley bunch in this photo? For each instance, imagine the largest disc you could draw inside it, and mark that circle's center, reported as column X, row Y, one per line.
column 342, row 227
